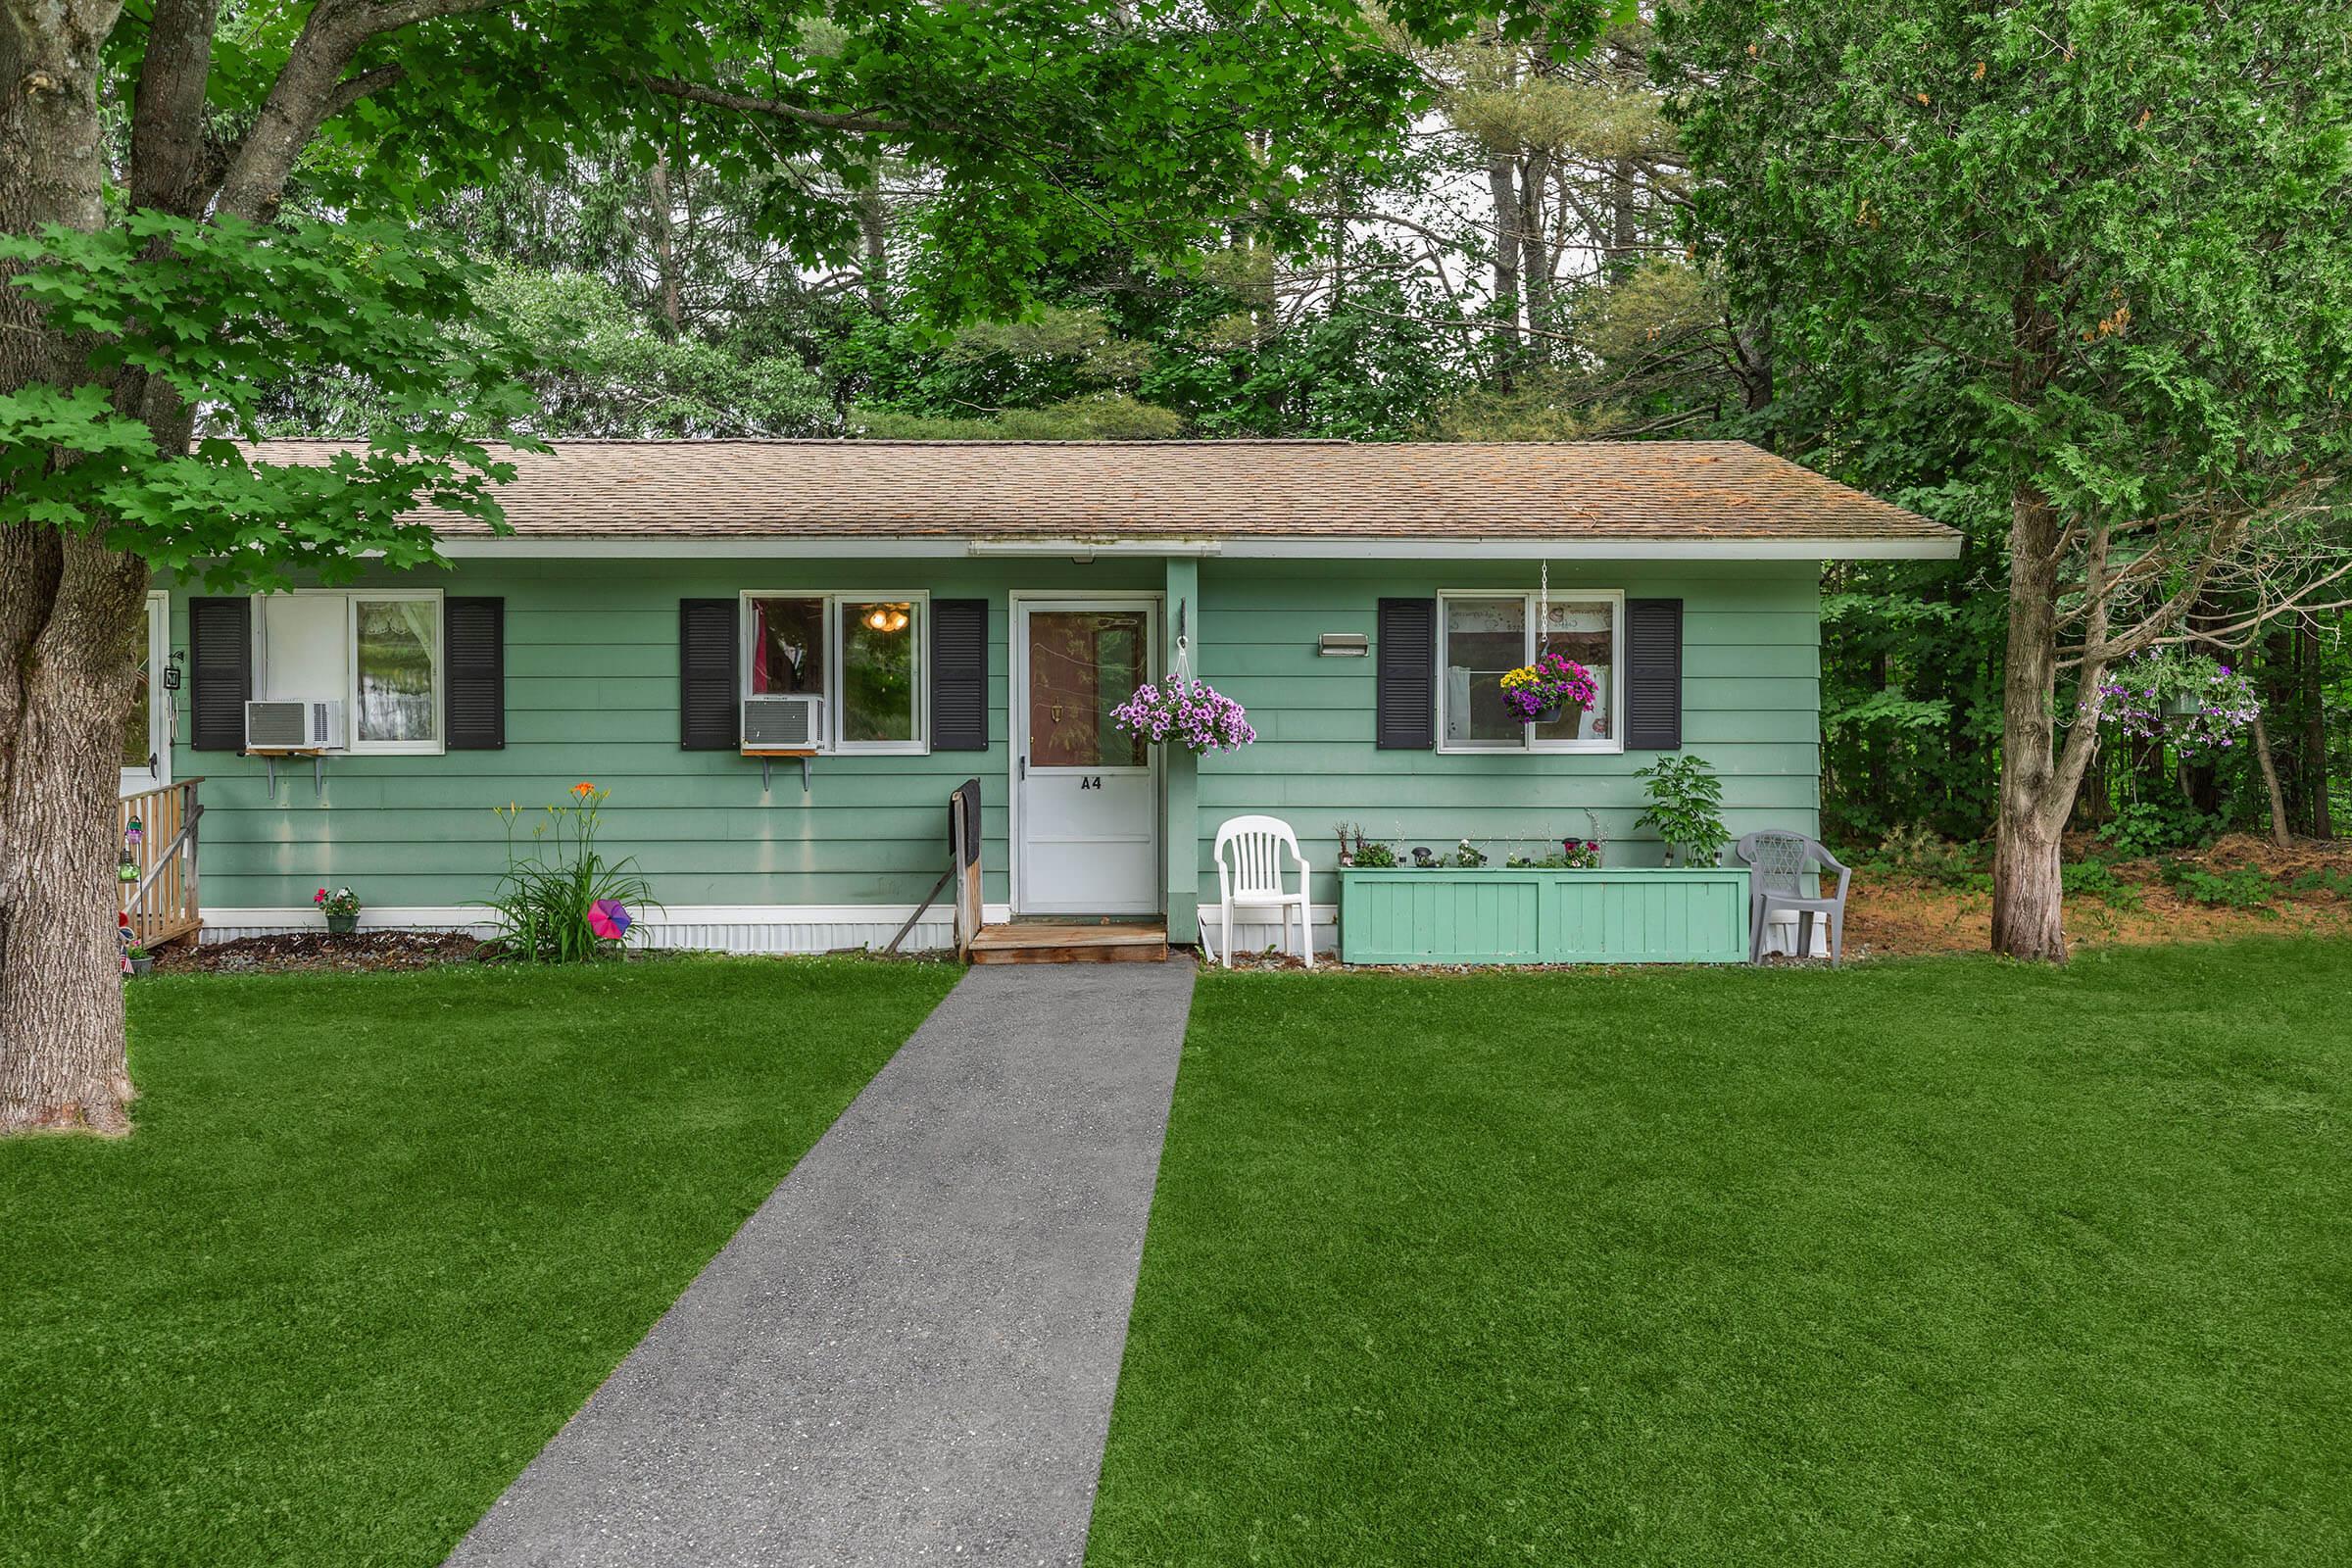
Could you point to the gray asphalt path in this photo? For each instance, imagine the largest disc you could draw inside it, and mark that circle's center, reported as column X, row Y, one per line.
column 907, row 1354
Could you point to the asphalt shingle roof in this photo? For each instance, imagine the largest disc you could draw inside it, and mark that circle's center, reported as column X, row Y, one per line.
column 1644, row 491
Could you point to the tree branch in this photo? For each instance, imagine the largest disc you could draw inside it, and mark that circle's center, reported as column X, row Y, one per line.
column 693, row 92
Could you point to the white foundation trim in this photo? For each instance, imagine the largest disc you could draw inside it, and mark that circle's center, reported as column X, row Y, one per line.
column 715, row 928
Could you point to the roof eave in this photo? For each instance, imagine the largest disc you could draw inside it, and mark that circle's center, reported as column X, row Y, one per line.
column 654, row 546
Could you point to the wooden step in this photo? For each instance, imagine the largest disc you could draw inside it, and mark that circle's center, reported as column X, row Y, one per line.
column 1060, row 942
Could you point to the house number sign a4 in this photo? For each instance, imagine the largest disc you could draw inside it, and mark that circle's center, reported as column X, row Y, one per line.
column 1092, row 781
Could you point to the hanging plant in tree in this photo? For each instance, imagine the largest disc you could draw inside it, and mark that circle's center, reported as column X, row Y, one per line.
column 2192, row 701
column 1685, row 808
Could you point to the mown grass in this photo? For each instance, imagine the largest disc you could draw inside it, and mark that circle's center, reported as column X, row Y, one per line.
column 379, row 1236
column 1947, row 1261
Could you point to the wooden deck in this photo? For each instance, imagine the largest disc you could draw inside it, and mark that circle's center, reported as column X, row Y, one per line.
column 1071, row 942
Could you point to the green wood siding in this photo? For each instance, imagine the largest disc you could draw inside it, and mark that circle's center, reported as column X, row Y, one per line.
column 1530, row 917
column 1751, row 694
column 592, row 693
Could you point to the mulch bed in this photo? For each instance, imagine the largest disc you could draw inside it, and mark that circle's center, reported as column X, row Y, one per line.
column 320, row 950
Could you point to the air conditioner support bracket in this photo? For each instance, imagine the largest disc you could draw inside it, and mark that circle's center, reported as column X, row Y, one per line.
column 768, row 774
column 318, row 772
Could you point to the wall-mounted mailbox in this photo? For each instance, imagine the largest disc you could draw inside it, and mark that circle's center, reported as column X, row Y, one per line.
column 1342, row 645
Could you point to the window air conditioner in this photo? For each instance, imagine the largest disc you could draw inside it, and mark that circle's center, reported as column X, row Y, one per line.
column 783, row 723
column 293, row 726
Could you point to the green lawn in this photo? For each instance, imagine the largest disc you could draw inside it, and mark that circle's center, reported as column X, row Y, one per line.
column 1935, row 1262
column 379, row 1236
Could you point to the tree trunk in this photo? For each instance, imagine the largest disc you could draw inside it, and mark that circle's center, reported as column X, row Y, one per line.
column 1535, row 252
column 61, row 1059
column 1502, row 180
column 2314, row 733
column 659, row 213
column 65, row 610
column 2027, row 918
column 2280, row 834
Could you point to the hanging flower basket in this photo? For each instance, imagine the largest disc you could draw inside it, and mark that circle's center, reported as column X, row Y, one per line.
column 1189, row 713
column 1541, row 692
column 2192, row 702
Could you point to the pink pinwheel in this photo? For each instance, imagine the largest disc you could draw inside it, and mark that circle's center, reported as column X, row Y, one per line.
column 608, row 918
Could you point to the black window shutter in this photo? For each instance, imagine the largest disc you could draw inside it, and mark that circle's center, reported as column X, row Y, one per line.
column 1407, row 676
column 959, row 674
column 1653, row 681
column 708, row 719
column 219, row 673
column 474, row 643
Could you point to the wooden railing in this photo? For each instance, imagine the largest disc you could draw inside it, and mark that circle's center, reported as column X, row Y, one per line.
column 160, row 903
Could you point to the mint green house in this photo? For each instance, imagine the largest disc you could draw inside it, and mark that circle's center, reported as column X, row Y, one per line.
column 782, row 656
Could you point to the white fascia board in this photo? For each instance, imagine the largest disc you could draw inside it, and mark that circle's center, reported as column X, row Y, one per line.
column 1534, row 549
column 520, row 548
column 1096, row 547
column 1263, row 548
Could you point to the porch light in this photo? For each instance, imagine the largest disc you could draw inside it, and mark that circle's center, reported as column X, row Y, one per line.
column 886, row 618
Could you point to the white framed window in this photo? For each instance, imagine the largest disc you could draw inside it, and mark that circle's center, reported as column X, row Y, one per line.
column 866, row 653
column 376, row 651
column 1483, row 633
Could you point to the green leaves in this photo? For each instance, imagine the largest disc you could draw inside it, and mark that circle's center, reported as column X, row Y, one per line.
column 184, row 316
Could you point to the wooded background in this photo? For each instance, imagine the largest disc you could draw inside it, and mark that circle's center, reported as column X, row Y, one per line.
column 1524, row 263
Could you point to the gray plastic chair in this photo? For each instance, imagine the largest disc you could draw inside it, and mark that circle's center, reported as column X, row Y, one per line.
column 1777, row 860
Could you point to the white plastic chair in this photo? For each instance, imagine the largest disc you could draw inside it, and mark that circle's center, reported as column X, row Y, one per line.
column 1255, row 879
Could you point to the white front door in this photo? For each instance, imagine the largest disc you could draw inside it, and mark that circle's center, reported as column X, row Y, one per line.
column 147, row 726
column 1086, row 796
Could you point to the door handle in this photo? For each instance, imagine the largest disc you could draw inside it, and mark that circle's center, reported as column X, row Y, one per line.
column 1024, row 761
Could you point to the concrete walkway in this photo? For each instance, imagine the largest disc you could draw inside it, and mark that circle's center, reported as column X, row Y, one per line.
column 907, row 1354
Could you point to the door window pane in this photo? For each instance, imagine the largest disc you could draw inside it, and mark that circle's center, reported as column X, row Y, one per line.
column 1485, row 638
column 1082, row 665
column 878, row 640
column 1585, row 631
column 397, row 644
column 788, row 646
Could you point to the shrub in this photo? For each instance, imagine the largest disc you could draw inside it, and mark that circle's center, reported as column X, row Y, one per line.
column 545, row 899
column 1919, row 851
column 2096, row 879
column 2245, row 888
column 2148, row 827
column 1685, row 808
column 2320, row 880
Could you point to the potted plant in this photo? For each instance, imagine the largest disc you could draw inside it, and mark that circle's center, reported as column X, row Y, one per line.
column 1192, row 714
column 341, row 908
column 1685, row 808
column 1539, row 693
column 2194, row 701
column 141, row 960
column 1580, row 855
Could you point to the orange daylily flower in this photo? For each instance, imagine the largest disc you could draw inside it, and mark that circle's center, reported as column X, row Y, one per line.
column 583, row 791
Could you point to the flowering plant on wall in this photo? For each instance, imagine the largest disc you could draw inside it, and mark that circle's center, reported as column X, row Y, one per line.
column 2195, row 701
column 1535, row 694
column 1191, row 713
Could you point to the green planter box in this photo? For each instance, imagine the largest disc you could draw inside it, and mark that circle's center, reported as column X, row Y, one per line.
column 1489, row 915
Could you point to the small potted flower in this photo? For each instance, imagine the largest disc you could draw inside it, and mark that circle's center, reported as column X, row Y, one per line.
column 1539, row 693
column 1580, row 855
column 341, row 908
column 140, row 960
